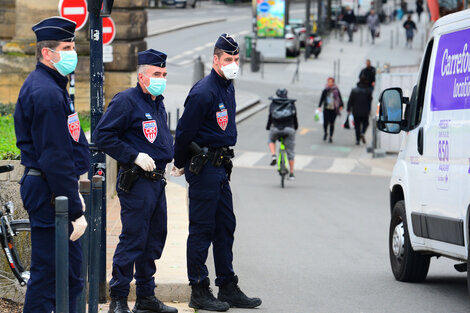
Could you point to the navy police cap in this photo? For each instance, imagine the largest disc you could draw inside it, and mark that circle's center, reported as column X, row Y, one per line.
column 227, row 44
column 55, row 28
column 152, row 57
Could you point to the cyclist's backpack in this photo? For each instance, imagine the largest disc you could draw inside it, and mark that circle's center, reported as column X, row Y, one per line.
column 282, row 110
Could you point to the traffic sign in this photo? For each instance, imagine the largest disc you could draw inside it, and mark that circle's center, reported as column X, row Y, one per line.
column 107, row 54
column 75, row 10
column 109, row 30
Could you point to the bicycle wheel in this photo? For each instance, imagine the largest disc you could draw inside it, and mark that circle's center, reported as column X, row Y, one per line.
column 282, row 167
column 14, row 272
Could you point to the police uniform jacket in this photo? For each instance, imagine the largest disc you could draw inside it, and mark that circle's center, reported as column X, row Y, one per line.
column 135, row 123
column 208, row 118
column 50, row 138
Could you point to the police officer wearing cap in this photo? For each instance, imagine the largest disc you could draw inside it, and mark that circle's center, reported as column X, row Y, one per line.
column 134, row 131
column 55, row 153
column 204, row 135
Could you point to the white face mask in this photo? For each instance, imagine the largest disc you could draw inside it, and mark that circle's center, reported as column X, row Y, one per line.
column 230, row 71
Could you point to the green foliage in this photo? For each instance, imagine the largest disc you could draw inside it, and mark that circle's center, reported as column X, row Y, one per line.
column 8, row 149
column 85, row 121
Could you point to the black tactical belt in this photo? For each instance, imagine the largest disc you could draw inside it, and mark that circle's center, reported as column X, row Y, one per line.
column 153, row 175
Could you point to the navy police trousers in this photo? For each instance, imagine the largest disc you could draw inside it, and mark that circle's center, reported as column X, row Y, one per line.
column 211, row 220
column 144, row 229
column 40, row 292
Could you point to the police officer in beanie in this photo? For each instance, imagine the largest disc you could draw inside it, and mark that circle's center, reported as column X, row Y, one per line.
column 204, row 135
column 134, row 131
column 55, row 153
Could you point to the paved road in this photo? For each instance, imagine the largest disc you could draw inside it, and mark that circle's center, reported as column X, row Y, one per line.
column 320, row 244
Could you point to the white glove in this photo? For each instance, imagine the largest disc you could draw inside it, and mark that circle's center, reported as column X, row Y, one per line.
column 82, row 201
column 176, row 172
column 79, row 227
column 145, row 162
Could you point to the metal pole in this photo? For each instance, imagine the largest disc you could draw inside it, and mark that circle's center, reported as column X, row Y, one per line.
column 339, row 70
column 72, row 89
column 254, row 57
column 361, row 33
column 391, row 39
column 334, row 69
column 85, row 189
column 62, row 254
column 398, row 34
column 309, row 28
column 95, row 244
column 177, row 115
column 169, row 121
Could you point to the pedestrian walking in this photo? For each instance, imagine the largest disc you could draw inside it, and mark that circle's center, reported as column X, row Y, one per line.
column 282, row 122
column 204, row 135
column 350, row 18
column 410, row 28
column 332, row 103
column 369, row 75
column 419, row 9
column 134, row 132
column 373, row 23
column 359, row 105
column 54, row 152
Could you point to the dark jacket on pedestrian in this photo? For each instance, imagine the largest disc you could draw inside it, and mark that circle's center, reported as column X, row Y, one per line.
column 349, row 17
column 290, row 121
column 410, row 26
column 335, row 96
column 369, row 74
column 360, row 100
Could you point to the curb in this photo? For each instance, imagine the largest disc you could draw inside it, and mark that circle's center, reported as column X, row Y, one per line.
column 183, row 26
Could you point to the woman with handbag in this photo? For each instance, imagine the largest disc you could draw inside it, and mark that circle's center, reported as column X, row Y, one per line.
column 332, row 103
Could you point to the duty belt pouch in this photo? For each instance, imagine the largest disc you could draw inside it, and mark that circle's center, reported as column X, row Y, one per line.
column 228, row 167
column 197, row 162
column 127, row 178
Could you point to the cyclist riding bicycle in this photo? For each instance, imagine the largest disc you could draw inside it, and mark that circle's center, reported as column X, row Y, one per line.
column 282, row 122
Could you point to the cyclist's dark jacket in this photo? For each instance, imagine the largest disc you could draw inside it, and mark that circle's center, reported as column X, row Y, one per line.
column 290, row 122
column 120, row 132
column 44, row 124
column 199, row 122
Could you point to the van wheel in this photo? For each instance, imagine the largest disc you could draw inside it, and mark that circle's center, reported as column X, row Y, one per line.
column 407, row 265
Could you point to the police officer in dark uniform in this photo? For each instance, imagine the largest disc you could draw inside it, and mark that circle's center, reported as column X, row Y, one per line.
column 204, row 135
column 134, row 131
column 55, row 152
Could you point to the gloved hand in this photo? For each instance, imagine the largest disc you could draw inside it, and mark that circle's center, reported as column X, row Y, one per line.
column 145, row 162
column 82, row 201
column 176, row 172
column 79, row 227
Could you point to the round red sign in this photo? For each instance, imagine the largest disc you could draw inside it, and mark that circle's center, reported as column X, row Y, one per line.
column 75, row 10
column 109, row 30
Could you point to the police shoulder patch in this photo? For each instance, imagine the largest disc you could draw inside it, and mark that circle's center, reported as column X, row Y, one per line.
column 73, row 124
column 150, row 130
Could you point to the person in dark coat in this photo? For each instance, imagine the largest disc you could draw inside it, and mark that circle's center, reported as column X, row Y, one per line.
column 359, row 104
column 369, row 74
column 419, row 9
column 332, row 103
column 204, row 136
column 134, row 132
column 410, row 28
column 54, row 152
column 350, row 18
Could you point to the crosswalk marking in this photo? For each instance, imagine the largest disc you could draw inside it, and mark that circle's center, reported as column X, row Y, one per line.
column 341, row 165
column 248, row 158
column 302, row 161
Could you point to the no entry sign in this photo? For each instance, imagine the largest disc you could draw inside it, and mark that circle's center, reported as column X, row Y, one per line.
column 109, row 30
column 75, row 10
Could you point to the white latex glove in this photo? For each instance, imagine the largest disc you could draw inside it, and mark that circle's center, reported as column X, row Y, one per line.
column 145, row 162
column 79, row 227
column 82, row 201
column 176, row 172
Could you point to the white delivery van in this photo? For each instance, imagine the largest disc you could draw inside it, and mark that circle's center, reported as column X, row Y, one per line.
column 430, row 184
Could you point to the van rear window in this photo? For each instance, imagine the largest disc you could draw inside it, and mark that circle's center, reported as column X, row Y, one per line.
column 451, row 81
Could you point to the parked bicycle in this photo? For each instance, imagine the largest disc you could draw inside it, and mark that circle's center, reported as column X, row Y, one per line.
column 15, row 238
column 282, row 161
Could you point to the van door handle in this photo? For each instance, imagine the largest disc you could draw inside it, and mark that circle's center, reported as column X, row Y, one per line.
column 421, row 140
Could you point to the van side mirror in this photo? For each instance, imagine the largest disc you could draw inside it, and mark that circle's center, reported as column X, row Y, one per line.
column 390, row 111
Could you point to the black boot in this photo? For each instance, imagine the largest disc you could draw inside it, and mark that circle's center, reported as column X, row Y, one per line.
column 203, row 299
column 118, row 305
column 232, row 294
column 150, row 305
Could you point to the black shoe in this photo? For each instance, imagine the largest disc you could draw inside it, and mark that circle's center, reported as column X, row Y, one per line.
column 273, row 160
column 150, row 305
column 203, row 299
column 324, row 137
column 330, row 140
column 232, row 294
column 118, row 305
column 363, row 139
column 357, row 143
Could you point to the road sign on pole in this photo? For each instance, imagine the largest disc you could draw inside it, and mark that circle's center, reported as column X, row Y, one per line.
column 109, row 30
column 75, row 10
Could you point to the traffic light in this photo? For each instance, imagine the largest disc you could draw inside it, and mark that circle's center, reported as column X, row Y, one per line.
column 107, row 7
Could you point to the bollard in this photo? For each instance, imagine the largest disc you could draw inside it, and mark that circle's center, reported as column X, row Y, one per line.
column 177, row 115
column 391, row 39
column 95, row 244
column 254, row 60
column 339, row 70
column 169, row 121
column 198, row 72
column 62, row 254
column 334, row 69
column 398, row 34
column 361, row 33
column 261, row 62
column 85, row 189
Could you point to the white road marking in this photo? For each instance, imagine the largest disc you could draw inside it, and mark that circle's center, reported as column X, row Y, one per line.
column 342, row 165
column 248, row 158
column 302, row 161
